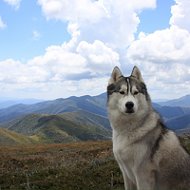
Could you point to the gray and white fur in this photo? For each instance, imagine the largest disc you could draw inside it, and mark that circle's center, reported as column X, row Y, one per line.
column 149, row 155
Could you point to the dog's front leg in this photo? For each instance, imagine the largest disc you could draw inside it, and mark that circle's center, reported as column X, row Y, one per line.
column 146, row 181
column 129, row 185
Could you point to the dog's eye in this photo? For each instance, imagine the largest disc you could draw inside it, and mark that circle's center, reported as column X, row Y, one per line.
column 136, row 92
column 122, row 92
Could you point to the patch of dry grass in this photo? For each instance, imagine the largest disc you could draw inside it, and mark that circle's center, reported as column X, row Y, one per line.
column 74, row 166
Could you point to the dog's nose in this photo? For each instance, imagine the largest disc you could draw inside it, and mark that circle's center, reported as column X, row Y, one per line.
column 129, row 105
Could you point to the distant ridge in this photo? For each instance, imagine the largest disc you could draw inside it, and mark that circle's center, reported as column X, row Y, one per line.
column 77, row 119
column 96, row 105
column 179, row 123
column 7, row 102
column 181, row 102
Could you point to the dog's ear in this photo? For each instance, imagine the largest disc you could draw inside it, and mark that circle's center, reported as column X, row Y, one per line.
column 116, row 74
column 137, row 74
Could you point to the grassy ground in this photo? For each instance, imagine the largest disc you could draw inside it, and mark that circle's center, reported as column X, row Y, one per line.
column 76, row 166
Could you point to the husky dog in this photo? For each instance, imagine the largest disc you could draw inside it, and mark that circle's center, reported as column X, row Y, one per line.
column 149, row 155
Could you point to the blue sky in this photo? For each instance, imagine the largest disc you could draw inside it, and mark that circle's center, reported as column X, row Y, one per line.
column 156, row 19
column 29, row 30
column 51, row 49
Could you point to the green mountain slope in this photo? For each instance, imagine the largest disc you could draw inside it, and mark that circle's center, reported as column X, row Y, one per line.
column 67, row 127
column 8, row 137
column 57, row 128
column 87, row 118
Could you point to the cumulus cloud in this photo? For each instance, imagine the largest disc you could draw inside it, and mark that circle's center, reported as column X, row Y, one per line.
column 112, row 22
column 100, row 32
column 171, row 45
column 64, row 64
column 14, row 3
column 90, row 11
column 180, row 14
column 164, row 55
column 100, row 58
column 90, row 62
column 97, row 28
column 20, row 73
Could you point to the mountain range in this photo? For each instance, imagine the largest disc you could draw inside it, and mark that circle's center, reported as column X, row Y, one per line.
column 76, row 119
column 182, row 102
column 7, row 102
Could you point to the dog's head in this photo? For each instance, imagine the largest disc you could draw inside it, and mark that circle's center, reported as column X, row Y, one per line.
column 128, row 95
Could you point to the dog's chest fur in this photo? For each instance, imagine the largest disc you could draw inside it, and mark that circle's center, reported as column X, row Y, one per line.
column 130, row 144
column 128, row 155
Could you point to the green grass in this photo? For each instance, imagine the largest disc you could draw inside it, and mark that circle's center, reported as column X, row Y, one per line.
column 76, row 166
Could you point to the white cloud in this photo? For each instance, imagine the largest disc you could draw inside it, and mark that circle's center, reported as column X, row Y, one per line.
column 58, row 64
column 62, row 68
column 100, row 32
column 112, row 22
column 2, row 24
column 14, row 3
column 164, row 56
column 20, row 73
column 73, row 10
column 180, row 14
column 171, row 45
column 100, row 58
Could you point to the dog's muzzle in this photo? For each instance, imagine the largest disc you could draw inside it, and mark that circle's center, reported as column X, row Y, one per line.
column 129, row 107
